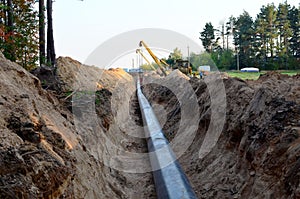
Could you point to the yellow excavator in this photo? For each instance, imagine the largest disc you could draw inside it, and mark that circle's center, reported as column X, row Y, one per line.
column 145, row 58
column 158, row 61
column 182, row 65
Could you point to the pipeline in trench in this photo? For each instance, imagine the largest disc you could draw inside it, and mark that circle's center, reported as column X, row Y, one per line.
column 170, row 180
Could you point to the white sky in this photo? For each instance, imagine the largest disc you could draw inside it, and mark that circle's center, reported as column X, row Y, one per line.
column 81, row 26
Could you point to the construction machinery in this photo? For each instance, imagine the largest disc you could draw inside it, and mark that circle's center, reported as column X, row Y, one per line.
column 149, row 63
column 183, row 65
column 158, row 61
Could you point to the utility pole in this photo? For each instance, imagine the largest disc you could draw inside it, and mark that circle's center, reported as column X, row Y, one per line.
column 188, row 48
column 237, row 59
column 137, row 61
column 141, row 60
column 132, row 63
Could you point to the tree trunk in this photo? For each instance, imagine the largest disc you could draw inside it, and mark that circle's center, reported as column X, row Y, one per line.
column 50, row 40
column 10, row 15
column 223, row 36
column 227, row 42
column 42, row 39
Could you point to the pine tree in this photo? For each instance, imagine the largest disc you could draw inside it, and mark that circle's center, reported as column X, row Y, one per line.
column 42, row 39
column 271, row 41
column 285, row 33
column 261, row 37
column 229, row 29
column 272, row 33
column 244, row 39
column 207, row 37
column 50, row 38
column 266, row 34
column 294, row 18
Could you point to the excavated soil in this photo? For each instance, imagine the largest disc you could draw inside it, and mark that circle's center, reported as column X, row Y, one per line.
column 78, row 133
column 257, row 153
column 68, row 143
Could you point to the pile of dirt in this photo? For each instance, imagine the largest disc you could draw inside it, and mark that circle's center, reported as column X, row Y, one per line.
column 65, row 143
column 257, row 153
column 101, row 103
column 36, row 138
column 83, row 138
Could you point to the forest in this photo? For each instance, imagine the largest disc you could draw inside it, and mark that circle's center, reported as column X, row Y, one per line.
column 22, row 32
column 269, row 42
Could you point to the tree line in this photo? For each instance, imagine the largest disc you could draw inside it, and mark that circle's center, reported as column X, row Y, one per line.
column 271, row 41
column 23, row 32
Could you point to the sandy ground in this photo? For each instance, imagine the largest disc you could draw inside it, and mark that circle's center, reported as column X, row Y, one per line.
column 78, row 142
column 77, row 133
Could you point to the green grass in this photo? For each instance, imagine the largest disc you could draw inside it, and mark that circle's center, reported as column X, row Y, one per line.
column 290, row 72
column 244, row 75
column 255, row 76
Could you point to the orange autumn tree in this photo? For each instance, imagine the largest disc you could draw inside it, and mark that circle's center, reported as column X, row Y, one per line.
column 19, row 39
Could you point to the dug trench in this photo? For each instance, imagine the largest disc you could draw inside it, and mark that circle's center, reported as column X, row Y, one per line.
column 78, row 140
column 78, row 134
column 257, row 153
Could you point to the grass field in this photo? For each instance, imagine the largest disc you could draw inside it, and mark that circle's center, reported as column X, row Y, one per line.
column 290, row 72
column 255, row 76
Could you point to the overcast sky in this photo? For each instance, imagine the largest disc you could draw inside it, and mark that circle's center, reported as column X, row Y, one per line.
column 81, row 26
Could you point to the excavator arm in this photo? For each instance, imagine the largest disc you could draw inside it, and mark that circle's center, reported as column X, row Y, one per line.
column 157, row 61
column 140, row 52
column 149, row 63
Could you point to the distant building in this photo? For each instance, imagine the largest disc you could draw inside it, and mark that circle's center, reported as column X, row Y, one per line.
column 204, row 68
column 135, row 70
column 251, row 69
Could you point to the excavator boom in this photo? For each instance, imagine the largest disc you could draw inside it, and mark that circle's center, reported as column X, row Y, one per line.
column 140, row 52
column 157, row 61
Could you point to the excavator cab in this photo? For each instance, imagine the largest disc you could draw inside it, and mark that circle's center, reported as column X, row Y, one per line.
column 183, row 65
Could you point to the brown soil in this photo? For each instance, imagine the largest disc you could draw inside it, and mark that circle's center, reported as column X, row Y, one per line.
column 77, row 133
column 257, row 154
column 45, row 152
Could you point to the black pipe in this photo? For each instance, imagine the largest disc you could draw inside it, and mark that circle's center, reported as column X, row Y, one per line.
column 169, row 178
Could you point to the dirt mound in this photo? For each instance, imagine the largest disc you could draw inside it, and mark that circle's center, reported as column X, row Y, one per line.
column 36, row 138
column 256, row 155
column 176, row 74
column 47, row 151
column 83, row 138
column 101, row 103
column 284, row 85
column 75, row 76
